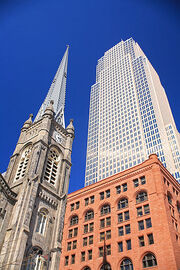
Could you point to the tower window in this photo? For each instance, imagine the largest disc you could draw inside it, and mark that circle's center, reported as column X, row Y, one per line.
column 36, row 260
column 50, row 174
column 23, row 163
column 41, row 223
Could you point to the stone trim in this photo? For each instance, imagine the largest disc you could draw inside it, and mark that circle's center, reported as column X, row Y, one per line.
column 10, row 195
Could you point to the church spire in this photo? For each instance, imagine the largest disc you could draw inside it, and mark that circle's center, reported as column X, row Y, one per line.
column 57, row 92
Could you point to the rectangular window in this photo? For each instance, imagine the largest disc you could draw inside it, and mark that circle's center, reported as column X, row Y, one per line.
column 148, row 223
column 136, row 182
column 72, row 206
column 120, row 246
column 100, row 251
column 102, row 223
column 77, row 205
column 90, row 239
column 74, row 244
column 124, row 187
column 120, row 217
column 92, row 199
column 108, row 193
column 127, row 229
column 86, row 200
column 75, row 231
column 139, row 211
column 82, row 256
column 84, row 241
column 102, row 235
column 146, row 209
column 66, row 260
column 143, row 180
column 69, row 246
column 73, row 259
column 118, row 189
column 91, row 227
column 70, row 234
column 128, row 244
column 141, row 241
column 108, row 234
column 108, row 221
column 108, row 249
column 121, row 231
column 90, row 254
column 126, row 215
column 86, row 228
column 150, row 239
column 101, row 195
column 141, row 225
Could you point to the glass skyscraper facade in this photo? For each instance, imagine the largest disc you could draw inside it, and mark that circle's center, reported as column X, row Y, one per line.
column 129, row 116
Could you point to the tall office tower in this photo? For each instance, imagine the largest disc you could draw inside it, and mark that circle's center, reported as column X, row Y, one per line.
column 129, row 117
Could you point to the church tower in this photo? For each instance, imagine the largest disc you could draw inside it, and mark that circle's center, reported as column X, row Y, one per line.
column 35, row 185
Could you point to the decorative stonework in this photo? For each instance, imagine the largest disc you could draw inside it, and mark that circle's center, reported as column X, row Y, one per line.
column 10, row 195
column 48, row 199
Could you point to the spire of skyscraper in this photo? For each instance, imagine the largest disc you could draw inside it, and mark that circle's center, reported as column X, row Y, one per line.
column 57, row 92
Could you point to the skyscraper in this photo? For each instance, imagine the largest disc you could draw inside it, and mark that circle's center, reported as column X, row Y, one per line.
column 129, row 116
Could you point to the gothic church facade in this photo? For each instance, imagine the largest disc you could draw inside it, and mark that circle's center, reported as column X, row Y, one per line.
column 35, row 186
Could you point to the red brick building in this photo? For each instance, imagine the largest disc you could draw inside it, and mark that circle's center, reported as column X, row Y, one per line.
column 136, row 211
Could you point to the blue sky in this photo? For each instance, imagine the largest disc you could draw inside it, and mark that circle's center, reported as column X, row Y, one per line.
column 34, row 34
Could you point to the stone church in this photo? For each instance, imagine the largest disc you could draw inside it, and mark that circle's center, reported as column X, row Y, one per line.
column 34, row 188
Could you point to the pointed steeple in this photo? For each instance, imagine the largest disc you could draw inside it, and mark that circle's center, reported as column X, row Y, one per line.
column 57, row 92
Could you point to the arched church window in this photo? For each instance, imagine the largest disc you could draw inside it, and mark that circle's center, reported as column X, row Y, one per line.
column 51, row 170
column 41, row 222
column 36, row 260
column 23, row 163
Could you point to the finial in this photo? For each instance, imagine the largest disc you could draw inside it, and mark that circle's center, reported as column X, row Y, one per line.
column 28, row 122
column 71, row 120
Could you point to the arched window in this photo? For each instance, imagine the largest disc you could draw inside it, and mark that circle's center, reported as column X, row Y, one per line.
column 23, row 163
column 74, row 220
column 141, row 197
column 41, row 223
column 89, row 215
column 149, row 260
column 86, row 268
column 123, row 203
column 106, row 266
column 126, row 264
column 36, row 261
column 105, row 209
column 51, row 170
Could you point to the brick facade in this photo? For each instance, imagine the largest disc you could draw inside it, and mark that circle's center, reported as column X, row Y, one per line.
column 138, row 212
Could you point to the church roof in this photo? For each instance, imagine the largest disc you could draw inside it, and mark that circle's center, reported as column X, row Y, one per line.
column 57, row 92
